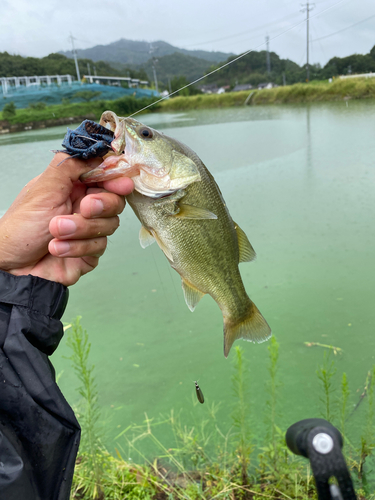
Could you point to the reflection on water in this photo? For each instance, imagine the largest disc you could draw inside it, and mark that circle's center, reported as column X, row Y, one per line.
column 299, row 181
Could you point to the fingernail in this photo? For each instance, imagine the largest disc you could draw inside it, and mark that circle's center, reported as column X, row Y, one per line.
column 97, row 207
column 62, row 247
column 66, row 227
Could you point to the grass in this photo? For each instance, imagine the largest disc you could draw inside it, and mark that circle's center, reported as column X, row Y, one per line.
column 93, row 110
column 202, row 461
column 351, row 88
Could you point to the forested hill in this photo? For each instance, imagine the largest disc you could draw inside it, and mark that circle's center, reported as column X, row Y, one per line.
column 178, row 68
column 252, row 69
column 57, row 64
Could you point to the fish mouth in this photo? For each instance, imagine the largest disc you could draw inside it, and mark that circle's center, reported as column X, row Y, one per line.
column 153, row 180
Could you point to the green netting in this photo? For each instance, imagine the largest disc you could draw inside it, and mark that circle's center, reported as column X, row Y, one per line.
column 54, row 94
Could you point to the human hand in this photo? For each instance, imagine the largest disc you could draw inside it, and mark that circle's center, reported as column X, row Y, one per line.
column 57, row 227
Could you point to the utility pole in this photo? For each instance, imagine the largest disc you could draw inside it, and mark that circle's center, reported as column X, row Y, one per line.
column 75, row 57
column 153, row 67
column 268, row 54
column 307, row 8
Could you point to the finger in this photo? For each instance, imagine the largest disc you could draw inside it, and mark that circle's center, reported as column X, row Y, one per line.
column 102, row 205
column 121, row 185
column 93, row 247
column 70, row 167
column 76, row 227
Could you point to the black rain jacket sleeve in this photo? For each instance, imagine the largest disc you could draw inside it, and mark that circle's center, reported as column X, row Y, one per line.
column 39, row 434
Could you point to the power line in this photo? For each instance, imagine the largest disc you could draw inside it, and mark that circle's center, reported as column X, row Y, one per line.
column 258, row 28
column 344, row 29
column 233, row 60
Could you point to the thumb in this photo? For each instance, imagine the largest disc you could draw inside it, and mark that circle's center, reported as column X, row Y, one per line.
column 56, row 182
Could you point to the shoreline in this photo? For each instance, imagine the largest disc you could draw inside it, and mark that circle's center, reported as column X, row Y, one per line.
column 299, row 93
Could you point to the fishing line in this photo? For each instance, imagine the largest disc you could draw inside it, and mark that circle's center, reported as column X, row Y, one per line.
column 235, row 59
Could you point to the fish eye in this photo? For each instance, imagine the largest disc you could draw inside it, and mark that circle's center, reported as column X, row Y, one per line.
column 146, row 133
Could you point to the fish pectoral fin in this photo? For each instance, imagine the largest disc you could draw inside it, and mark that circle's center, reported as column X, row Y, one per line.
column 191, row 212
column 192, row 294
column 253, row 328
column 247, row 252
column 163, row 246
column 145, row 237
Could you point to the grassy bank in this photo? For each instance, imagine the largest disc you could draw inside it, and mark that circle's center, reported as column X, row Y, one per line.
column 202, row 460
column 351, row 88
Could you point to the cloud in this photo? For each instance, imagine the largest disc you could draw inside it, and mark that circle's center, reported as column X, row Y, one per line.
column 236, row 26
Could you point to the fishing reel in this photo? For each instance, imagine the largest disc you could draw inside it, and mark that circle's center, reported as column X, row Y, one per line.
column 320, row 442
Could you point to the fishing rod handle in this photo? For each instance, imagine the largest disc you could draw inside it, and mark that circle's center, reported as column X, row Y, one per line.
column 297, row 434
column 320, row 442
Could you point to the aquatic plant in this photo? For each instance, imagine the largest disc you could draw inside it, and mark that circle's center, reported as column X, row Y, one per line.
column 325, row 373
column 241, row 414
column 92, row 451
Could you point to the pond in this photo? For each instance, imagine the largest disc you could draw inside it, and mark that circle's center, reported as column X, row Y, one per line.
column 299, row 180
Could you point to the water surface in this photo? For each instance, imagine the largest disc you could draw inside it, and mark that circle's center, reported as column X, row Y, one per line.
column 299, row 180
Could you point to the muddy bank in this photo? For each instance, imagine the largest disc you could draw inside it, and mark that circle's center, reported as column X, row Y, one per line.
column 6, row 127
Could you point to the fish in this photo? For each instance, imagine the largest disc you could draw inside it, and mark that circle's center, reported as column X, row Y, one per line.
column 199, row 393
column 181, row 207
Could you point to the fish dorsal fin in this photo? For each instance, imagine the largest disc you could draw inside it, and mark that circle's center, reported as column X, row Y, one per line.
column 191, row 212
column 163, row 246
column 145, row 237
column 192, row 294
column 247, row 252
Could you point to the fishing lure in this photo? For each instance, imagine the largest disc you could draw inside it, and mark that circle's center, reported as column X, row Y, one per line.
column 89, row 140
column 199, row 393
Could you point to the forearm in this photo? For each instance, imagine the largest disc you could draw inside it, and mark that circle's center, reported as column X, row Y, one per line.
column 39, row 433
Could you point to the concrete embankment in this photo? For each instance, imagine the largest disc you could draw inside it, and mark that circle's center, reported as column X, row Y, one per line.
column 6, row 127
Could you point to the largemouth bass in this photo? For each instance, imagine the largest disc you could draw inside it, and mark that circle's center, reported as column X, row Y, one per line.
column 180, row 206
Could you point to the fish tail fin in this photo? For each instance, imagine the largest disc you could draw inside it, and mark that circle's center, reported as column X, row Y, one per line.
column 253, row 327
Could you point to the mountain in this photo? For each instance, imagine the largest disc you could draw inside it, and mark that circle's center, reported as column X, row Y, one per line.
column 131, row 52
column 176, row 65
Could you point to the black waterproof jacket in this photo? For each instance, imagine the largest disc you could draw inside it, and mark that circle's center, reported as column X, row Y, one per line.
column 39, row 434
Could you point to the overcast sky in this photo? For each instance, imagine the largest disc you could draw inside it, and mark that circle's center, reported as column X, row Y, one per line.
column 40, row 27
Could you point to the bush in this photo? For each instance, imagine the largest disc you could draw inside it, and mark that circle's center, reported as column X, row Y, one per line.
column 9, row 110
column 37, row 105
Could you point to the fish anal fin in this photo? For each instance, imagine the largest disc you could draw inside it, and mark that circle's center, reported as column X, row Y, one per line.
column 253, row 328
column 247, row 252
column 191, row 212
column 192, row 294
column 145, row 237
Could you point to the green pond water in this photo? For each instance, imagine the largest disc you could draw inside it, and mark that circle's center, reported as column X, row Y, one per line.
column 300, row 182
